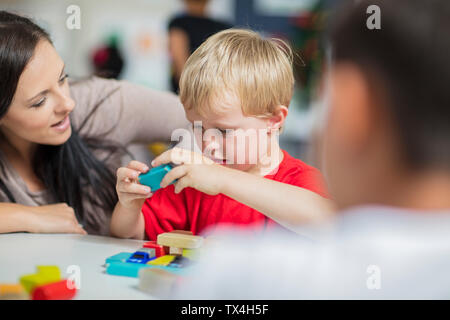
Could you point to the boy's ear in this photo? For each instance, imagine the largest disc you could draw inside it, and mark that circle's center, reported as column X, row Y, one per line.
column 276, row 120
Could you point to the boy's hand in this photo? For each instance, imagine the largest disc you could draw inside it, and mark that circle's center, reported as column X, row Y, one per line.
column 194, row 170
column 131, row 193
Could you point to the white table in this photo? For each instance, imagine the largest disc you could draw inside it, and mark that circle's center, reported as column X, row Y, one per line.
column 20, row 253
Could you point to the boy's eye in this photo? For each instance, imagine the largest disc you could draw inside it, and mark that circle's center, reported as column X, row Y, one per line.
column 63, row 78
column 38, row 104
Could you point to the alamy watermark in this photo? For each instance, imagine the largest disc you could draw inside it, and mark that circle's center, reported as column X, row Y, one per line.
column 74, row 277
column 374, row 20
column 373, row 282
column 73, row 21
column 230, row 146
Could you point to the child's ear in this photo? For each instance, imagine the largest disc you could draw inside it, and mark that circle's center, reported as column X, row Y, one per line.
column 276, row 120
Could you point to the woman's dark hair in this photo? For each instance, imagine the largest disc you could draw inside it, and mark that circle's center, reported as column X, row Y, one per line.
column 70, row 171
column 410, row 57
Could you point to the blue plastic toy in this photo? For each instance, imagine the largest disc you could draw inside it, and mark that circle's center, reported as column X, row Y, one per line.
column 153, row 177
column 180, row 262
column 143, row 255
column 120, row 257
column 127, row 269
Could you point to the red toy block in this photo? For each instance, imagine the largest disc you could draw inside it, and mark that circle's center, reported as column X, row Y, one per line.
column 61, row 290
column 159, row 250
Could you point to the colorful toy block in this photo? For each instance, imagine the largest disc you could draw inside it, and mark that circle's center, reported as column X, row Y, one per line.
column 49, row 271
column 159, row 249
column 120, row 257
column 124, row 269
column 179, row 240
column 182, row 232
column 175, row 251
column 157, row 282
column 180, row 262
column 45, row 275
column 13, row 292
column 191, row 254
column 154, row 176
column 161, row 261
column 61, row 290
column 165, row 263
column 142, row 255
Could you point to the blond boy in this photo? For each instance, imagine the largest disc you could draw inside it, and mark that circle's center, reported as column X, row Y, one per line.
column 236, row 88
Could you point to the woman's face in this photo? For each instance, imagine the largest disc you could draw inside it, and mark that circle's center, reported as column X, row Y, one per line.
column 39, row 112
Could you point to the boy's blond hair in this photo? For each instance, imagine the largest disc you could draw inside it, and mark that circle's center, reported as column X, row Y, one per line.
column 258, row 71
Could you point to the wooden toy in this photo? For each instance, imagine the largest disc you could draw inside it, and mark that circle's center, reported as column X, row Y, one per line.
column 142, row 256
column 176, row 251
column 13, row 292
column 161, row 261
column 61, row 290
column 120, row 257
column 179, row 240
column 125, row 269
column 45, row 275
column 153, row 177
column 191, row 254
column 179, row 262
column 157, row 282
column 49, row 271
column 159, row 249
column 182, row 232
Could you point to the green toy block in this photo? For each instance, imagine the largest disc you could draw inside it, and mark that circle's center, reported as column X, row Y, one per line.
column 50, row 272
column 44, row 275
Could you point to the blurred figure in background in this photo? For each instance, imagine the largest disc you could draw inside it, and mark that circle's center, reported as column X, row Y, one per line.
column 108, row 60
column 387, row 159
column 187, row 32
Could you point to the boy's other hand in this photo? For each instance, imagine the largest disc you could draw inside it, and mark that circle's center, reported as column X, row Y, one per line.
column 193, row 170
column 131, row 193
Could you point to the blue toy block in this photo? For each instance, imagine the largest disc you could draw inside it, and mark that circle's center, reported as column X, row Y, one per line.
column 120, row 257
column 127, row 269
column 142, row 256
column 180, row 262
column 124, row 268
column 153, row 177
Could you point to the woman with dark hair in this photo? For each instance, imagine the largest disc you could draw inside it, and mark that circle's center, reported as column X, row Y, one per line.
column 60, row 145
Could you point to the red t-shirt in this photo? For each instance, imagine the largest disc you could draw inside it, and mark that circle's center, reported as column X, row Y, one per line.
column 195, row 211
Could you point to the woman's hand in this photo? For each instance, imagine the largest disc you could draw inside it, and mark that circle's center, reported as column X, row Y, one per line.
column 131, row 193
column 194, row 170
column 54, row 218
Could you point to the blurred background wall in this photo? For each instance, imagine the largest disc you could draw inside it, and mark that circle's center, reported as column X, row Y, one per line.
column 139, row 30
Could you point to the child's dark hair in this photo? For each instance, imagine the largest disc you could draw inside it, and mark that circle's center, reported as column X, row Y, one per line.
column 410, row 57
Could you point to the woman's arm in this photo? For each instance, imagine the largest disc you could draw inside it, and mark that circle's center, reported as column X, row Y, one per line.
column 55, row 218
column 13, row 218
column 126, row 112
